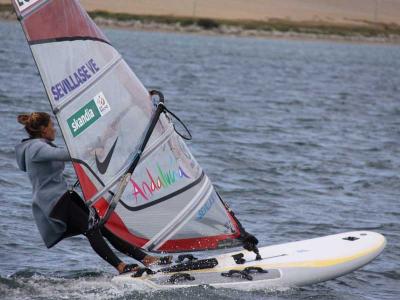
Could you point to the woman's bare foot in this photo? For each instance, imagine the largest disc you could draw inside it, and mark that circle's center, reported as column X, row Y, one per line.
column 121, row 267
column 153, row 260
column 149, row 260
column 125, row 268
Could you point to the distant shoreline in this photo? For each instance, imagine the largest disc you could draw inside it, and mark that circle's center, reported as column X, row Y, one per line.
column 370, row 32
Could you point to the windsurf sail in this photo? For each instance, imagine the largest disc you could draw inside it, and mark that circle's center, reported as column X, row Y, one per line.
column 104, row 112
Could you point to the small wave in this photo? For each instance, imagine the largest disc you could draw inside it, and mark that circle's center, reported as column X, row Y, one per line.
column 8, row 283
column 380, row 164
column 96, row 285
column 7, row 150
column 362, row 183
column 391, row 182
column 29, row 284
column 80, row 274
column 393, row 213
column 5, row 99
column 5, row 183
column 26, row 273
column 392, row 274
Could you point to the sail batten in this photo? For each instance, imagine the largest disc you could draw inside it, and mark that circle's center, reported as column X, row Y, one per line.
column 68, row 39
column 105, row 114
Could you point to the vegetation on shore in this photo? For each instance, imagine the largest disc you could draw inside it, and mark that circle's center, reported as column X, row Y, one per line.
column 370, row 29
column 367, row 29
column 6, row 7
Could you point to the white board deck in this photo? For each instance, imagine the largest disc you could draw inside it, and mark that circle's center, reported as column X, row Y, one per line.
column 288, row 265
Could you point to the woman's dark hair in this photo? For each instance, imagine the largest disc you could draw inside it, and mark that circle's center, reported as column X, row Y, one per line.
column 34, row 123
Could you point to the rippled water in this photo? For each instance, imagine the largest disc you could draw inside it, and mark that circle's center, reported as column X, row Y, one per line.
column 301, row 138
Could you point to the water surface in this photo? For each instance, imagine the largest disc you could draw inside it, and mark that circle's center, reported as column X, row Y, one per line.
column 301, row 138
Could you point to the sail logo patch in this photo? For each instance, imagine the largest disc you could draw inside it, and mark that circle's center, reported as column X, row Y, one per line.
column 76, row 79
column 206, row 207
column 155, row 182
column 24, row 4
column 102, row 166
column 88, row 115
column 102, row 104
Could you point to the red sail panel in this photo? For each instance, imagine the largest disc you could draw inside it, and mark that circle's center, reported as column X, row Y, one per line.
column 60, row 19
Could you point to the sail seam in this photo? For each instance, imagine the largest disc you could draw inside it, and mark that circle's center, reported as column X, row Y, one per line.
column 104, row 72
column 68, row 39
column 163, row 139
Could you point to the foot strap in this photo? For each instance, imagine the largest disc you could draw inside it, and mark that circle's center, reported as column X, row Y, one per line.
column 180, row 277
column 237, row 273
column 165, row 260
column 141, row 271
column 245, row 273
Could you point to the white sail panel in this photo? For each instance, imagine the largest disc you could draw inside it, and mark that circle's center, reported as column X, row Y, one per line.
column 63, row 81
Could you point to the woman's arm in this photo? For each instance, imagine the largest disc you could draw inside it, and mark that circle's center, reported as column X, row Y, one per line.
column 45, row 152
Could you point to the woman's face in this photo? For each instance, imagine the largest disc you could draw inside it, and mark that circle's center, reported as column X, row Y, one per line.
column 49, row 132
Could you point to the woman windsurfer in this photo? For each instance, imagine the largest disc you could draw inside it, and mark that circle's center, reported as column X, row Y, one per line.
column 58, row 212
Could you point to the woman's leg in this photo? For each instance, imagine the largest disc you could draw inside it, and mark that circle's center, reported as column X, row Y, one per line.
column 78, row 222
column 100, row 246
column 123, row 246
column 133, row 251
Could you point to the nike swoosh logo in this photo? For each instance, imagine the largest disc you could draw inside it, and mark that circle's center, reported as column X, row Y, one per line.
column 103, row 166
